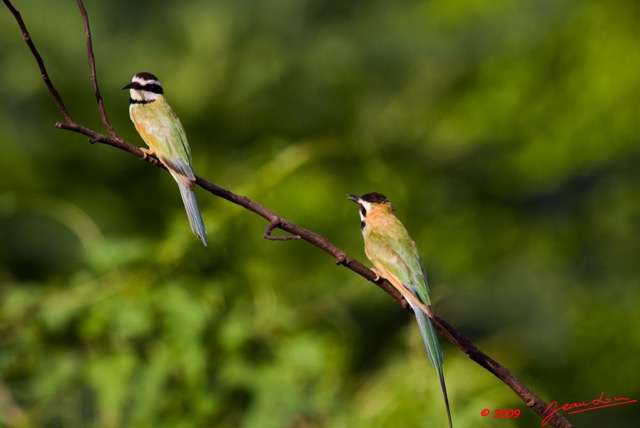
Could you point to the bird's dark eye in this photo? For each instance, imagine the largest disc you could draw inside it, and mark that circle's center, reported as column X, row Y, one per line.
column 153, row 87
column 363, row 211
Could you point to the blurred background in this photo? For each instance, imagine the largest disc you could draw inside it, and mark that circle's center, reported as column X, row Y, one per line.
column 505, row 133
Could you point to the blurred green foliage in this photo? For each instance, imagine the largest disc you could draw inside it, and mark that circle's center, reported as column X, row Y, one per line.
column 504, row 132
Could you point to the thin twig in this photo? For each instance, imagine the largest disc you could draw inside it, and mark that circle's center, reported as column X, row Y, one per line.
column 277, row 222
column 38, row 58
column 94, row 76
column 274, row 225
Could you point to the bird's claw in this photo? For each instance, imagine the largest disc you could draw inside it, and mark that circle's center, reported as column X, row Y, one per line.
column 146, row 152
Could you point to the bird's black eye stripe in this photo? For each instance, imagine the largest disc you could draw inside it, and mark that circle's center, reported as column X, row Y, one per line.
column 363, row 211
column 149, row 87
column 152, row 87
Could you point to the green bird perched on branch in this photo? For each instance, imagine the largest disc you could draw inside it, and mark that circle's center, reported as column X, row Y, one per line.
column 160, row 128
column 395, row 257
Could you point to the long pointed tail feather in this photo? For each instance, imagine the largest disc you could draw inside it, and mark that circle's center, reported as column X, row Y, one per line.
column 434, row 351
column 193, row 211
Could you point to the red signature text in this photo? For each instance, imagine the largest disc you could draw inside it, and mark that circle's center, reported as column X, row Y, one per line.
column 584, row 406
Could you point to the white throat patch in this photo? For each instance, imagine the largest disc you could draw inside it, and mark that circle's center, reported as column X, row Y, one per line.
column 142, row 95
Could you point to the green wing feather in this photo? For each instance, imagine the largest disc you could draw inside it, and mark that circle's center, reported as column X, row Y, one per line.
column 163, row 132
column 392, row 248
column 174, row 147
column 430, row 339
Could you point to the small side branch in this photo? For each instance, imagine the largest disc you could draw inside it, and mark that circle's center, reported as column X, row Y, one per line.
column 92, row 67
column 275, row 224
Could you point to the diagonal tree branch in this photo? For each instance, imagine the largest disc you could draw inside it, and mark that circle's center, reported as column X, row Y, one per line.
column 276, row 222
column 38, row 58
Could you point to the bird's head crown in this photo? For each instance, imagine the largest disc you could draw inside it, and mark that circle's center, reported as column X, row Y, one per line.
column 145, row 81
column 370, row 202
column 375, row 198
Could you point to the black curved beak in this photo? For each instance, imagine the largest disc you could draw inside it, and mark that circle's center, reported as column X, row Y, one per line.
column 354, row 198
column 129, row 86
